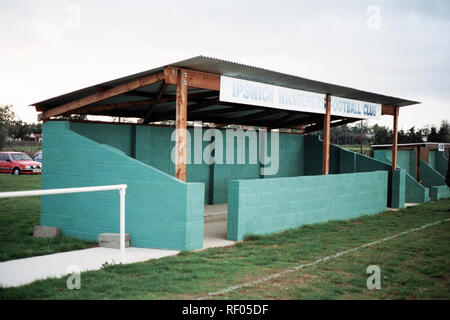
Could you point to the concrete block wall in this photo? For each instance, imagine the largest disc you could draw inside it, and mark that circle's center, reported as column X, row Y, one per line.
column 398, row 188
column 415, row 192
column 313, row 157
column 161, row 211
column 439, row 162
column 429, row 176
column 152, row 145
column 439, row 192
column 406, row 159
column 261, row 206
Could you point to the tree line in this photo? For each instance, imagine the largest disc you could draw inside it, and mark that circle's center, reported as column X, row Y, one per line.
column 365, row 134
column 11, row 127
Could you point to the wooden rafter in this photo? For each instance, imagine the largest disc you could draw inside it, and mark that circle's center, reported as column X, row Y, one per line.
column 196, row 106
column 126, row 87
column 316, row 118
column 280, row 122
column 111, row 106
column 161, row 91
column 319, row 126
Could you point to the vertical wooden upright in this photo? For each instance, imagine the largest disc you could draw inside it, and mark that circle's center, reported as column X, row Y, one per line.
column 326, row 136
column 395, row 140
column 181, row 120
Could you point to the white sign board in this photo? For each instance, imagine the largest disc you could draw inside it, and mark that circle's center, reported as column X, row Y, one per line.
column 266, row 95
column 441, row 147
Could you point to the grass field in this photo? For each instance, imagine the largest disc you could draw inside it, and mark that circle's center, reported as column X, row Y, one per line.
column 18, row 216
column 366, row 150
column 413, row 266
column 29, row 148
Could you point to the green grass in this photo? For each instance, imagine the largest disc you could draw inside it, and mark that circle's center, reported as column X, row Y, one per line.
column 30, row 148
column 18, row 216
column 413, row 266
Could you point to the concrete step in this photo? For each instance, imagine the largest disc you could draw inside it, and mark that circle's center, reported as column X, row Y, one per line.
column 215, row 217
column 112, row 240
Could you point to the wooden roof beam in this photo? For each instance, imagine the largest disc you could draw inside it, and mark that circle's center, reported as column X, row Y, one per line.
column 319, row 126
column 194, row 79
column 126, row 87
column 161, row 91
column 389, row 110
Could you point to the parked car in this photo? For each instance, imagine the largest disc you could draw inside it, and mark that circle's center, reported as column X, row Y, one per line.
column 18, row 163
column 37, row 156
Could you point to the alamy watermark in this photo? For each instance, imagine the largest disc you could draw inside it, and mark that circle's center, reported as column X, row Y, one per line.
column 373, row 21
column 73, row 20
column 374, row 280
column 74, row 280
column 229, row 146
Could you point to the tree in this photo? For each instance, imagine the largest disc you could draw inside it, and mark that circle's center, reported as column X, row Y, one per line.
column 35, row 127
column 382, row 135
column 6, row 120
column 444, row 132
column 433, row 136
column 19, row 130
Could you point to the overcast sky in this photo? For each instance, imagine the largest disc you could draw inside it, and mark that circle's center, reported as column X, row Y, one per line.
column 398, row 48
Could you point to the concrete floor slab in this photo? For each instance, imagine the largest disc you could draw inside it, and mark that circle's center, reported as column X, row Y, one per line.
column 18, row 272
column 215, row 235
column 216, row 212
column 407, row 205
column 215, row 228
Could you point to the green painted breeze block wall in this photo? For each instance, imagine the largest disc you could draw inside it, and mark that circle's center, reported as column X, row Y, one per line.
column 398, row 188
column 262, row 206
column 313, row 157
column 152, row 145
column 429, row 176
column 414, row 191
column 161, row 211
column 406, row 159
column 439, row 192
column 439, row 162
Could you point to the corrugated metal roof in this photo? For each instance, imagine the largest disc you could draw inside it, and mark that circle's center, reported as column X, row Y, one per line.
column 241, row 71
column 236, row 70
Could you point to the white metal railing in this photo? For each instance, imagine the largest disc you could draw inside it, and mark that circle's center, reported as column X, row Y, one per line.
column 121, row 187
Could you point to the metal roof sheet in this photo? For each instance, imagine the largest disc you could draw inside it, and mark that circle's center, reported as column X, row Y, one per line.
column 237, row 70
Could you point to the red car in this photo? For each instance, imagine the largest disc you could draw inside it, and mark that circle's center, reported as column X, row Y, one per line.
column 18, row 163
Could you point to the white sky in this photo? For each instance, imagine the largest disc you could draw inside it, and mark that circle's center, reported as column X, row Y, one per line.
column 47, row 49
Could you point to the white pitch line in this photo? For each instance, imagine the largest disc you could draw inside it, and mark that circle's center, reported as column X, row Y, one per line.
column 296, row 268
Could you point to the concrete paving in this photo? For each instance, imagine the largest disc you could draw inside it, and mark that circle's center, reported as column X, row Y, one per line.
column 18, row 272
column 215, row 228
column 216, row 212
column 215, row 235
column 408, row 204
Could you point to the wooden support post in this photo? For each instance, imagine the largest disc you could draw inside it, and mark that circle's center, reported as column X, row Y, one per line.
column 326, row 136
column 181, row 126
column 395, row 140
